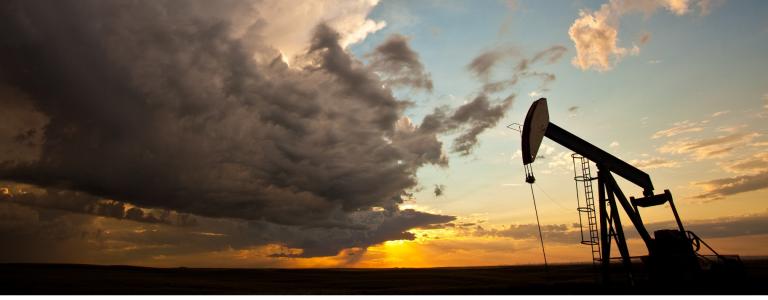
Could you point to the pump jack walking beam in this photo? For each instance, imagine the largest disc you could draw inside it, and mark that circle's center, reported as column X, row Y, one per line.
column 604, row 159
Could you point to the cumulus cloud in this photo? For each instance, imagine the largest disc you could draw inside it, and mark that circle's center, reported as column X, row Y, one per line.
column 595, row 39
column 399, row 64
column 595, row 33
column 287, row 25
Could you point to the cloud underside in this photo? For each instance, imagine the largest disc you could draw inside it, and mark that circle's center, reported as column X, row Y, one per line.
column 722, row 187
column 42, row 235
column 33, row 234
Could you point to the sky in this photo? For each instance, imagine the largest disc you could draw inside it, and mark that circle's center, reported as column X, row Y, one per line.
column 368, row 133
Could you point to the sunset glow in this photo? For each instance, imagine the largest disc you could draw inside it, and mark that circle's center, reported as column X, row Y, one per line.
column 368, row 134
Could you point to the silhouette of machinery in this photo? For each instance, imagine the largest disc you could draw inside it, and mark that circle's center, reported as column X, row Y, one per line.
column 672, row 253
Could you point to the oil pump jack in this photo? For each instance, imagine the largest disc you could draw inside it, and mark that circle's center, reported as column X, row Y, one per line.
column 671, row 252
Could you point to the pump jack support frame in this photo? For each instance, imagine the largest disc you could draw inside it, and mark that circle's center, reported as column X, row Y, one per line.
column 609, row 193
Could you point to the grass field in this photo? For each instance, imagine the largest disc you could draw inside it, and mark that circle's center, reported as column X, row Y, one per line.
column 559, row 279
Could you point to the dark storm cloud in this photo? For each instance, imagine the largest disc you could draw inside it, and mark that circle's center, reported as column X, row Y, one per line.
column 399, row 64
column 439, row 190
column 168, row 112
column 481, row 115
column 31, row 236
column 470, row 119
column 389, row 226
column 156, row 104
column 35, row 234
column 79, row 202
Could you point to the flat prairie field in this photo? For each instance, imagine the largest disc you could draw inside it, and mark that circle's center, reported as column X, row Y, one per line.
column 42, row 279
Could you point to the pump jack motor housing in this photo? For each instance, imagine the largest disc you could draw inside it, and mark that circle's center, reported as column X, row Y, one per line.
column 671, row 252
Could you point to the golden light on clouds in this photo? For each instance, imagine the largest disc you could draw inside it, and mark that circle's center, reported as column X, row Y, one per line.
column 207, row 150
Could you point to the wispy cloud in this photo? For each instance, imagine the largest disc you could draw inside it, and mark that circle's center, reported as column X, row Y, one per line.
column 731, row 226
column 765, row 99
column 752, row 175
column 757, row 163
column 720, row 113
column 719, row 188
column 654, row 163
column 680, row 128
column 731, row 128
column 708, row 147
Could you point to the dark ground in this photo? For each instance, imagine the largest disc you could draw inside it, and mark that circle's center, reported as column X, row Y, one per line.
column 560, row 279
